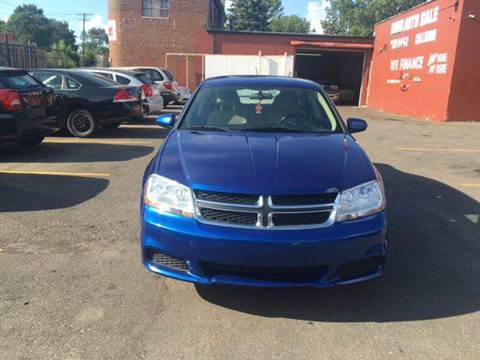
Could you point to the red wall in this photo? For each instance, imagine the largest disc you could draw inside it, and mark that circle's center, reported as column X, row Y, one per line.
column 422, row 91
column 464, row 104
column 279, row 44
column 271, row 44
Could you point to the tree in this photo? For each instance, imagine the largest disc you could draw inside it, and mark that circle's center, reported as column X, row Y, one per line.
column 30, row 25
column 290, row 24
column 3, row 26
column 64, row 55
column 96, row 43
column 253, row 15
column 98, row 40
column 358, row 17
column 61, row 32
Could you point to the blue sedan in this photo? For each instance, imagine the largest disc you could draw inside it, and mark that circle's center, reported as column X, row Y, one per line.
column 260, row 183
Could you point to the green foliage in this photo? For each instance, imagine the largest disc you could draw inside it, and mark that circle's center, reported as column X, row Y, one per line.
column 290, row 24
column 30, row 25
column 98, row 39
column 61, row 32
column 63, row 55
column 88, row 57
column 253, row 15
column 357, row 17
column 96, row 43
column 3, row 26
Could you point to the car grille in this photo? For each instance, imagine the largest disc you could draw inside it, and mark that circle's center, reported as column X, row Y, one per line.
column 161, row 259
column 289, row 219
column 220, row 197
column 265, row 212
column 293, row 200
column 229, row 217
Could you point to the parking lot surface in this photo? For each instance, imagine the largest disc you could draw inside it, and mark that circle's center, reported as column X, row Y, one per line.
column 72, row 285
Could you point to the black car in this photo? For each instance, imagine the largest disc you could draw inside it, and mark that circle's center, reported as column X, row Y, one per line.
column 27, row 111
column 88, row 102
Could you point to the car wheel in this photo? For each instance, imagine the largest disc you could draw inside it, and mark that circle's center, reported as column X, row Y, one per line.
column 112, row 126
column 31, row 142
column 81, row 123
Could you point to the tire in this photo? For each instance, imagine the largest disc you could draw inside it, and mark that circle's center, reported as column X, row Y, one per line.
column 31, row 142
column 81, row 123
column 112, row 126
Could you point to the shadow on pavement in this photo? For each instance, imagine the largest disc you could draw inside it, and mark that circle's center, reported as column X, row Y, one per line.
column 46, row 192
column 72, row 153
column 432, row 272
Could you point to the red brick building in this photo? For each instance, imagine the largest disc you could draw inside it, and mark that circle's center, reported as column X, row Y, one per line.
column 422, row 62
column 426, row 62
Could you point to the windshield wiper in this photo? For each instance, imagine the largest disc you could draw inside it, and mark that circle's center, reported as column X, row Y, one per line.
column 206, row 128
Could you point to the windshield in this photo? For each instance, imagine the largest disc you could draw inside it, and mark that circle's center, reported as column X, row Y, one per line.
column 143, row 78
column 97, row 80
column 261, row 109
column 169, row 75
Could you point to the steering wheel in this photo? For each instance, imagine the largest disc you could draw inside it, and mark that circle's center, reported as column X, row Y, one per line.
column 295, row 115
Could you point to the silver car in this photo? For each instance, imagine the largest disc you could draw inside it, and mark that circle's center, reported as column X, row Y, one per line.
column 153, row 99
column 171, row 91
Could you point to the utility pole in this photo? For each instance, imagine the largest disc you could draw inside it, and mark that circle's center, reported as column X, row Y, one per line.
column 84, row 20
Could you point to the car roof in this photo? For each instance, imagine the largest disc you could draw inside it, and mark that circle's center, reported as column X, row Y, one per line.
column 110, row 70
column 261, row 81
column 77, row 74
column 126, row 72
column 142, row 67
column 61, row 71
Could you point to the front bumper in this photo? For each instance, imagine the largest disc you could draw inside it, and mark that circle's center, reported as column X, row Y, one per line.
column 341, row 254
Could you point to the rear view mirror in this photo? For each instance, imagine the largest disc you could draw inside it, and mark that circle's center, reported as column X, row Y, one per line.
column 261, row 96
column 356, row 125
column 167, row 120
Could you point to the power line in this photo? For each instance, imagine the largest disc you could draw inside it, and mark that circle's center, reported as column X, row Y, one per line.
column 84, row 20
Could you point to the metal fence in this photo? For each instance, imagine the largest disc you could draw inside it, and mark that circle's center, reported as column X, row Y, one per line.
column 21, row 56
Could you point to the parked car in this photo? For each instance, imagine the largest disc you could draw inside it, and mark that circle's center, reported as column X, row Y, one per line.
column 27, row 111
column 184, row 94
column 153, row 99
column 171, row 91
column 88, row 102
column 260, row 182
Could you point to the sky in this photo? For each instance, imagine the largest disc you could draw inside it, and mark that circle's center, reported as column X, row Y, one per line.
column 68, row 10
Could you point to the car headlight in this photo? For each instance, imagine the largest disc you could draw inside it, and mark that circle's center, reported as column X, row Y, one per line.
column 361, row 201
column 168, row 196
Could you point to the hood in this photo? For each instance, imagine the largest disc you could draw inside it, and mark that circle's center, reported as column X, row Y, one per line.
column 262, row 163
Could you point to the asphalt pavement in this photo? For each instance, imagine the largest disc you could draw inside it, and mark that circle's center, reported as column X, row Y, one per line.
column 72, row 285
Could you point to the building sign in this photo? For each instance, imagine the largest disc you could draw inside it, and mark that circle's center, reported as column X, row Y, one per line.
column 409, row 70
column 437, row 64
column 426, row 37
column 415, row 21
column 406, row 64
column 401, row 42
column 112, row 30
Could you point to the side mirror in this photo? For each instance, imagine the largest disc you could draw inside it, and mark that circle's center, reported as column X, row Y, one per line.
column 356, row 125
column 166, row 120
